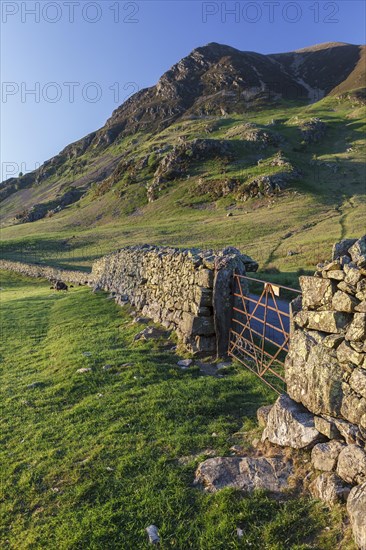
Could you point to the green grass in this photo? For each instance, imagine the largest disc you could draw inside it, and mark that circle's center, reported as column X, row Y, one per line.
column 88, row 461
column 322, row 207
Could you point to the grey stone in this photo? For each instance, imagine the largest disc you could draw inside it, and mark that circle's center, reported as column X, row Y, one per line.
column 329, row 488
column 337, row 275
column 344, row 302
column 332, row 341
column 325, row 321
column 353, row 276
column 185, row 363
column 358, row 252
column 357, row 329
column 313, row 375
column 247, row 474
column 346, row 354
column 350, row 432
column 290, row 425
column 361, row 307
column 324, row 456
column 345, row 287
column 357, row 381
column 356, row 508
column 327, row 427
column 316, row 292
column 341, row 248
column 262, row 414
column 352, row 464
column 84, row 370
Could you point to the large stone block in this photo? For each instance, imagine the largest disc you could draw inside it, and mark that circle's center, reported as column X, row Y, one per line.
column 246, row 474
column 313, row 375
column 316, row 292
column 327, row 427
column 290, row 425
column 328, row 321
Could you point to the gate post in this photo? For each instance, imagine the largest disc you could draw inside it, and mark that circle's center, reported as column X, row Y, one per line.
column 229, row 263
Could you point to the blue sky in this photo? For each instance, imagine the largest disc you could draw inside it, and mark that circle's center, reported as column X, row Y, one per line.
column 82, row 59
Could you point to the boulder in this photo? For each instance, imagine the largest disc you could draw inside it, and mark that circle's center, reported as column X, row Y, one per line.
column 356, row 507
column 352, row 464
column 245, row 473
column 324, row 456
column 291, row 425
column 329, row 488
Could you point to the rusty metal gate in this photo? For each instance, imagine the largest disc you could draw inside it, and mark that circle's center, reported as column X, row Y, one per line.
column 260, row 328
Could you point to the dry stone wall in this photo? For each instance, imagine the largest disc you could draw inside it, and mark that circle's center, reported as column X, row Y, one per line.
column 326, row 363
column 188, row 291
column 46, row 272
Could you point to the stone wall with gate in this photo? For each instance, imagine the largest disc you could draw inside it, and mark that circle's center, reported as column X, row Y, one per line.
column 189, row 291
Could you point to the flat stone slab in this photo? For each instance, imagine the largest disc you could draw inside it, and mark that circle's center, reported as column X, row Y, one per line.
column 244, row 473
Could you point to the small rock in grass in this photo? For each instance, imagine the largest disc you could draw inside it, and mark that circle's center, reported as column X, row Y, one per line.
column 153, row 534
column 107, row 367
column 83, row 370
column 87, row 353
column 185, row 363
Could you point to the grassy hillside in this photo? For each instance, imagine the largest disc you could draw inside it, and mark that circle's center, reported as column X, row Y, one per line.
column 325, row 203
column 89, row 460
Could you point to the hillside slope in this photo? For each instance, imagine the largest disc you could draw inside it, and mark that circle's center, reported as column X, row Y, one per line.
column 273, row 140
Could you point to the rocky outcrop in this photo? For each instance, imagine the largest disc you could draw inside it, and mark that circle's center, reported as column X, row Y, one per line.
column 188, row 291
column 247, row 474
column 325, row 368
column 313, row 130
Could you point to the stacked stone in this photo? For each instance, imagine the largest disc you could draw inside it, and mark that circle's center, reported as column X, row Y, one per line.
column 326, row 364
column 325, row 372
column 173, row 287
column 47, row 272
